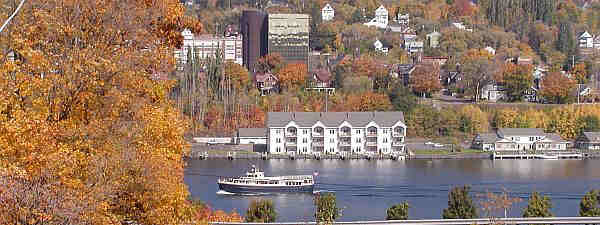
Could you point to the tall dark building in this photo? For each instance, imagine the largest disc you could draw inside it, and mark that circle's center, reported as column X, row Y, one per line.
column 254, row 28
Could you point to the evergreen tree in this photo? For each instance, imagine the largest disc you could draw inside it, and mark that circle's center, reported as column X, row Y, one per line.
column 460, row 204
column 538, row 206
column 261, row 211
column 398, row 212
column 590, row 204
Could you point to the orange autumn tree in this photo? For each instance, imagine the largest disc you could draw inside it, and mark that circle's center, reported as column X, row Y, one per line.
column 292, row 76
column 425, row 79
column 579, row 73
column 556, row 87
column 87, row 134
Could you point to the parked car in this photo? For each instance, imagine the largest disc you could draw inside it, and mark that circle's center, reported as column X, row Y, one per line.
column 429, row 143
column 438, row 145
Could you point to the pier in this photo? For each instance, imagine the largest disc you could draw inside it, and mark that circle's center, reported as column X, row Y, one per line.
column 550, row 155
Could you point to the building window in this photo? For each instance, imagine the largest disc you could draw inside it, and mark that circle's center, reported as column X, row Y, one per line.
column 278, row 140
column 278, row 149
column 331, row 131
column 358, row 140
column 531, row 138
column 331, row 140
column 385, row 131
column 305, row 131
column 304, row 140
column 278, row 131
column 357, row 131
column 385, row 140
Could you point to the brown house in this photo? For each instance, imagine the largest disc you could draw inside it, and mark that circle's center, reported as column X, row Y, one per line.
column 266, row 83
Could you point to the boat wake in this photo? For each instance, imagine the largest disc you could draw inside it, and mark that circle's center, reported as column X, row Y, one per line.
column 221, row 192
column 322, row 191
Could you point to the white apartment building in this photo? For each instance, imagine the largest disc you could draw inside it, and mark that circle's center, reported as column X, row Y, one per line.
column 335, row 132
column 327, row 13
column 205, row 46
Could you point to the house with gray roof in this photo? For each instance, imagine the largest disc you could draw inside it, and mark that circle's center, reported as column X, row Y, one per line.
column 251, row 136
column 519, row 139
column 335, row 132
column 588, row 141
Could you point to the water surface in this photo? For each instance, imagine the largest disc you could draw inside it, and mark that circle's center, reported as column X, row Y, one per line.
column 365, row 189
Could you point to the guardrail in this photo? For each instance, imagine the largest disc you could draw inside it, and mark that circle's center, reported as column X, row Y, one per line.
column 531, row 220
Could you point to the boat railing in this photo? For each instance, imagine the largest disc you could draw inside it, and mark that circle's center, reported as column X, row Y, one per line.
column 296, row 177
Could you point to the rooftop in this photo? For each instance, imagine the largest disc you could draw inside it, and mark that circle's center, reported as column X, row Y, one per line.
column 252, row 132
column 520, row 132
column 334, row 119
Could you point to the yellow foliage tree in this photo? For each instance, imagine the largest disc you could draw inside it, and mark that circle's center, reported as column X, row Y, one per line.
column 84, row 115
column 507, row 118
column 473, row 119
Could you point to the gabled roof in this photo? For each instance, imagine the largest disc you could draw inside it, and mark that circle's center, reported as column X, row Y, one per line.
column 503, row 132
column 322, row 75
column 327, row 6
column 585, row 34
column 252, row 132
column 553, row 137
column 592, row 136
column 262, row 77
column 381, row 9
column 334, row 119
column 487, row 137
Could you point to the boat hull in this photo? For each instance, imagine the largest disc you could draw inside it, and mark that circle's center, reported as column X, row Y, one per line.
column 231, row 188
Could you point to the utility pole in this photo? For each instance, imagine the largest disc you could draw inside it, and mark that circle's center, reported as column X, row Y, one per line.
column 12, row 16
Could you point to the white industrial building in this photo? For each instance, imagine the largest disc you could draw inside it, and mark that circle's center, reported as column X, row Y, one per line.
column 335, row 132
column 206, row 46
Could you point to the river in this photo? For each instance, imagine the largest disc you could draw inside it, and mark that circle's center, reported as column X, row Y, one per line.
column 365, row 189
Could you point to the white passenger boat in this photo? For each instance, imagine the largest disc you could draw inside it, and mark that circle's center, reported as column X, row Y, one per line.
column 255, row 182
column 546, row 156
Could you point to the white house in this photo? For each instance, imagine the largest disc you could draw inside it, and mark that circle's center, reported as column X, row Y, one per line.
column 586, row 40
column 433, row 39
column 381, row 18
column 327, row 13
column 491, row 50
column 413, row 46
column 251, row 136
column 403, row 19
column 519, row 139
column 588, row 141
column 461, row 26
column 379, row 47
column 336, row 132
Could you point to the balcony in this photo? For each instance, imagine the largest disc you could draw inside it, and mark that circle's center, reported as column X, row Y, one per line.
column 318, row 144
column 291, row 144
column 371, row 143
column 316, row 134
column 397, row 143
column 398, row 134
column 345, row 134
column 291, row 134
column 344, row 143
column 371, row 134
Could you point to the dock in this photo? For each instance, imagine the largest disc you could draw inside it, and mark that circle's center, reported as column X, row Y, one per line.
column 557, row 155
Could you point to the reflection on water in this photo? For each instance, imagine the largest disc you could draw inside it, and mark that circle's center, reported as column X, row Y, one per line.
column 367, row 188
